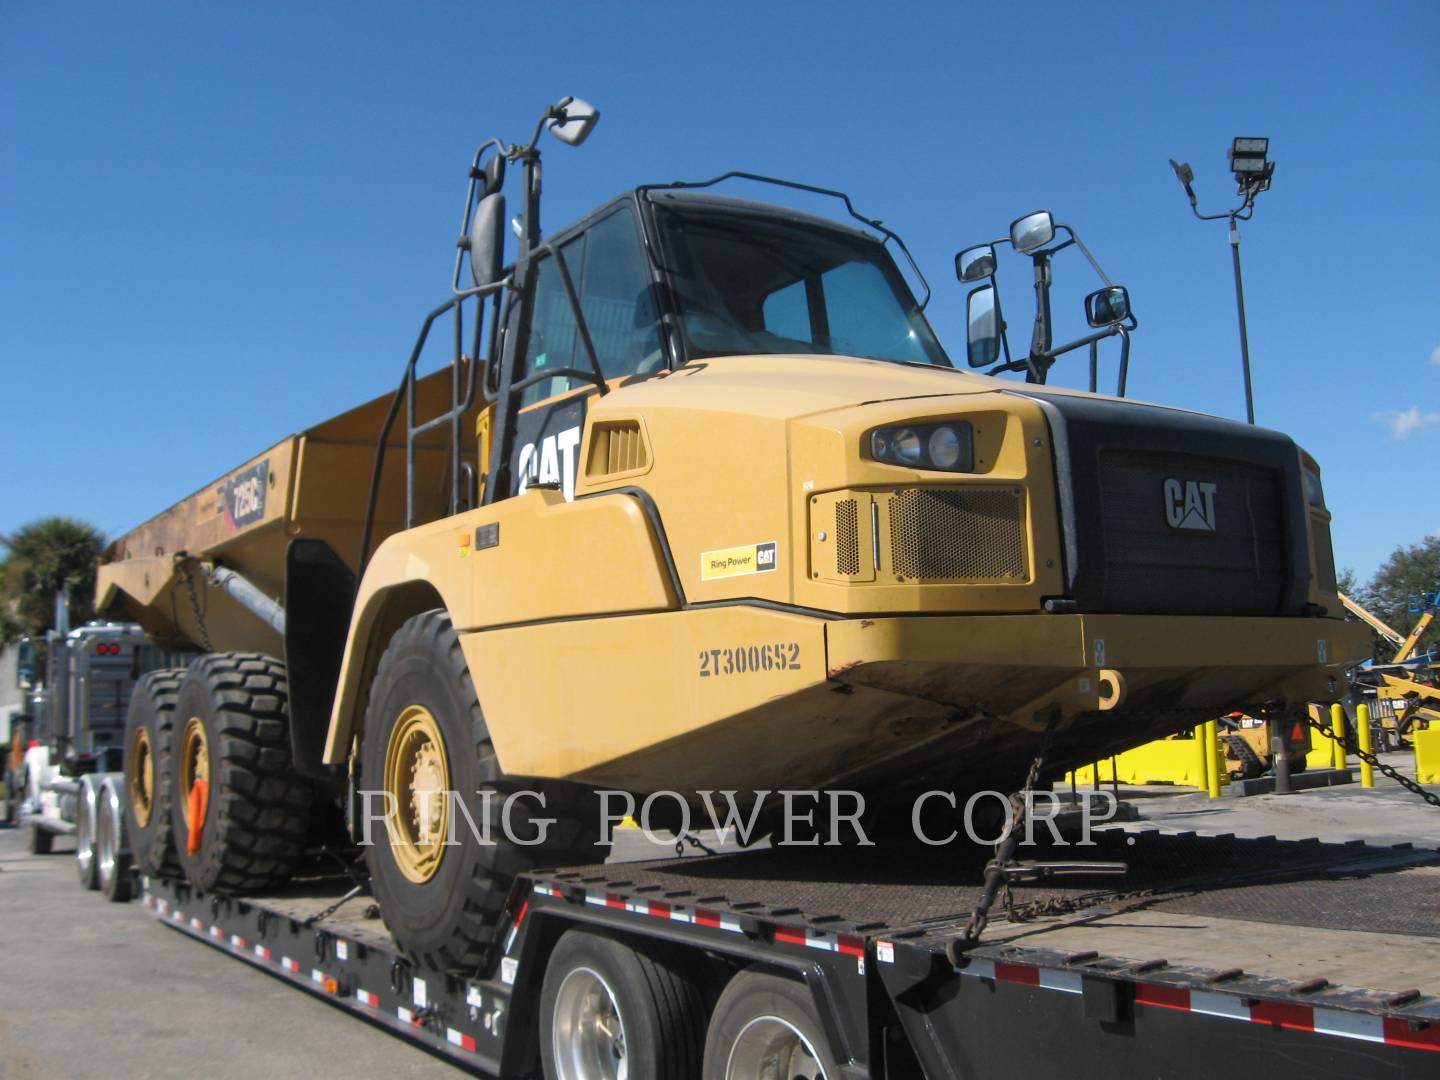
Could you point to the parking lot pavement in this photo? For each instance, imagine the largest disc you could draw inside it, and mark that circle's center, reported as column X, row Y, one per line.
column 1385, row 814
column 96, row 990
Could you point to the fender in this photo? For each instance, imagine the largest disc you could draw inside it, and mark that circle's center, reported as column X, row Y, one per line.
column 528, row 559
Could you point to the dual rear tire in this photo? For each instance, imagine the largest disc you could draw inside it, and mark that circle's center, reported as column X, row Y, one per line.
column 210, row 792
column 611, row 1008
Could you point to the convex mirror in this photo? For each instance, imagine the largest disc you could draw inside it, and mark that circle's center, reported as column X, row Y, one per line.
column 1107, row 306
column 1033, row 231
column 975, row 263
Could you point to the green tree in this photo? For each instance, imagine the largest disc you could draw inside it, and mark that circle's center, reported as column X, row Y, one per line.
column 40, row 559
column 1409, row 572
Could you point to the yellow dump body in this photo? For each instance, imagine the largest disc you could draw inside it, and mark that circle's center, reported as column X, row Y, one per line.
column 313, row 484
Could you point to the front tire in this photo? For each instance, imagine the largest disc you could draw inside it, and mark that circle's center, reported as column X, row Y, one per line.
column 429, row 771
column 608, row 1010
column 232, row 732
column 766, row 1026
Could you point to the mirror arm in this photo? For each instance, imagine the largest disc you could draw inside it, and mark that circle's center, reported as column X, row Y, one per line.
column 1124, row 360
column 1086, row 252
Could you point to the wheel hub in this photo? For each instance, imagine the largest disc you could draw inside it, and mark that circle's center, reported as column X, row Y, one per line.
column 588, row 1033
column 142, row 777
column 417, row 794
column 194, row 762
column 770, row 1048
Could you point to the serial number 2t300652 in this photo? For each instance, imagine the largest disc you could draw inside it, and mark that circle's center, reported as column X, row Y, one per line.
column 749, row 659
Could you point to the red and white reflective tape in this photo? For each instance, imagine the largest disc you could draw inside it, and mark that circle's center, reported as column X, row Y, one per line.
column 407, row 1016
column 365, row 997
column 847, row 944
column 262, row 952
column 318, row 976
column 216, row 933
column 460, row 1039
column 237, row 942
column 292, row 966
column 148, row 903
column 197, row 924
column 1367, row 1027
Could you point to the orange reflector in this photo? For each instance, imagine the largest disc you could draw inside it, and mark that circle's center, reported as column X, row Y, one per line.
column 332, row 986
column 199, row 801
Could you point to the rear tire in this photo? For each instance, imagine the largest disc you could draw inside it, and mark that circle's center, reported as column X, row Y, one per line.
column 764, row 1026
column 424, row 732
column 149, row 732
column 608, row 1008
column 85, row 865
column 232, row 730
column 112, row 860
column 41, row 840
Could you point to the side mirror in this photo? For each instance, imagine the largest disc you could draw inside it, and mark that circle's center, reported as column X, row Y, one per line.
column 975, row 263
column 982, row 335
column 574, row 120
column 492, row 176
column 487, row 239
column 1107, row 306
column 1032, row 231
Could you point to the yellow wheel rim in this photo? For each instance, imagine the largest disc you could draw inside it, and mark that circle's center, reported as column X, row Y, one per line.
column 417, row 800
column 194, row 762
column 142, row 777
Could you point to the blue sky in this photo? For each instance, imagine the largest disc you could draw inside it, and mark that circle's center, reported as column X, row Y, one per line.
column 221, row 223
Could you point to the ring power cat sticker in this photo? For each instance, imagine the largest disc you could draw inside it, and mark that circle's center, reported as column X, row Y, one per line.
column 737, row 561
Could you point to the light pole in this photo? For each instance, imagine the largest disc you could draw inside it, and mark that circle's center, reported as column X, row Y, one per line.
column 1253, row 169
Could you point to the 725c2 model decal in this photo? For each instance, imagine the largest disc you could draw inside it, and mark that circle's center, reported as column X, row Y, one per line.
column 749, row 659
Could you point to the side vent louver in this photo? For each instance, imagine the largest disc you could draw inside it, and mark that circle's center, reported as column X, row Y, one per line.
column 617, row 447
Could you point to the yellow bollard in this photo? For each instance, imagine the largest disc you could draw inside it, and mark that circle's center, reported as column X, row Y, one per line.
column 1362, row 734
column 1212, row 758
column 1337, row 725
column 1202, row 771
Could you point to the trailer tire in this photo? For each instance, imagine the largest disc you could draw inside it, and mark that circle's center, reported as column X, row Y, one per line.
column 85, row 862
column 767, row 1025
column 655, row 1014
column 112, row 859
column 232, row 730
column 41, row 840
column 424, row 732
column 149, row 733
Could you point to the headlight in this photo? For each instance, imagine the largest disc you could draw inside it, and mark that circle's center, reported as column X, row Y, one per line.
column 1314, row 493
column 949, row 447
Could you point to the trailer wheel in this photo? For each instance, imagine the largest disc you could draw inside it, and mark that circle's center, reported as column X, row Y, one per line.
column 112, row 861
column 85, row 834
column 232, row 732
column 41, row 840
column 428, row 758
column 765, row 1026
column 149, row 729
column 609, row 1010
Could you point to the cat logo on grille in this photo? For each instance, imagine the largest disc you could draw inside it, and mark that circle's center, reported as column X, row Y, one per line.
column 1190, row 505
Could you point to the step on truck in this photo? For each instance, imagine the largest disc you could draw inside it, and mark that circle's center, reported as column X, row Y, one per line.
column 696, row 502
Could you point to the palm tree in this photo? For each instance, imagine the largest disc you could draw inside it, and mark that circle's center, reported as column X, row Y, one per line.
column 42, row 558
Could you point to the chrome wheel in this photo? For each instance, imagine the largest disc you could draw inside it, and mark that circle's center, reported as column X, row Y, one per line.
column 106, row 816
column 588, row 1032
column 769, row 1048
column 85, row 836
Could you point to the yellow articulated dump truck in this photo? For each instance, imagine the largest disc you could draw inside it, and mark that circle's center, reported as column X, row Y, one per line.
column 699, row 503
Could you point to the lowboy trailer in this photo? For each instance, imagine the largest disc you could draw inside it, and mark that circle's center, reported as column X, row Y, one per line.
column 856, row 968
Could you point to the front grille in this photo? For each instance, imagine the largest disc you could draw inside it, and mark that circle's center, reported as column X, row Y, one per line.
column 847, row 537
column 1185, row 534
column 958, row 534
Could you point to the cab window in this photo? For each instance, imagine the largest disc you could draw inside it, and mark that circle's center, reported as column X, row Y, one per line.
column 608, row 268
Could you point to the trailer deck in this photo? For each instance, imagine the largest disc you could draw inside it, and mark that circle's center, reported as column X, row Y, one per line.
column 1323, row 957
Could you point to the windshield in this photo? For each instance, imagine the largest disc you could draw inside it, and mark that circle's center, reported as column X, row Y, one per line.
column 749, row 283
